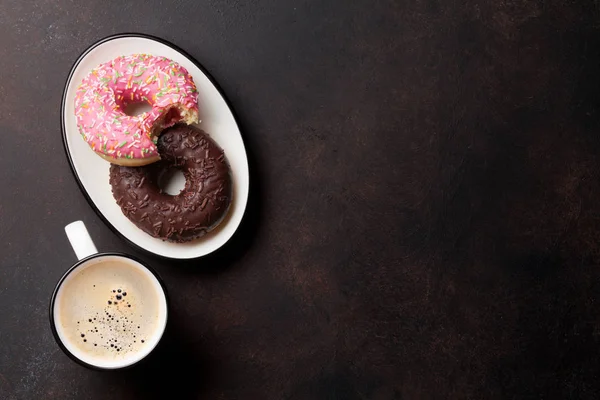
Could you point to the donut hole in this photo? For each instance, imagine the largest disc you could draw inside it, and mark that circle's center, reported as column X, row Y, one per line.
column 136, row 108
column 171, row 181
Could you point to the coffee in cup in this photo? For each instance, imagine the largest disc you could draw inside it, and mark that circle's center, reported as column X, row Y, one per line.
column 109, row 310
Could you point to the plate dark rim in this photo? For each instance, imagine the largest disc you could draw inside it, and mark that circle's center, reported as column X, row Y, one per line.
column 66, row 148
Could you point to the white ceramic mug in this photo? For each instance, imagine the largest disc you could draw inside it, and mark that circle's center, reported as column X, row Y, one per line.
column 87, row 254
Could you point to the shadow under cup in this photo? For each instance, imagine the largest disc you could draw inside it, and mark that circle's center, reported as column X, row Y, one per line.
column 76, row 311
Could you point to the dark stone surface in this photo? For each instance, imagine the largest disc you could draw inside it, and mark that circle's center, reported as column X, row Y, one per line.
column 425, row 210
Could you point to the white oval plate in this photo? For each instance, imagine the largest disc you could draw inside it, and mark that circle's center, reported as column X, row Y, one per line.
column 217, row 118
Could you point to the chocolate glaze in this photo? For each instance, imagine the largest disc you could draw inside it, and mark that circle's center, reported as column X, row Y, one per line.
column 201, row 205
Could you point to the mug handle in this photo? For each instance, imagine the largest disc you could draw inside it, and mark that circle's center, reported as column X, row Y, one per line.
column 80, row 240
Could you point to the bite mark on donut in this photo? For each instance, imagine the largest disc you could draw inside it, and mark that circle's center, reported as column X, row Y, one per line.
column 173, row 115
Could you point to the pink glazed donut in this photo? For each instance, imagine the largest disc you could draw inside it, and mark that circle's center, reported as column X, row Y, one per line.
column 104, row 93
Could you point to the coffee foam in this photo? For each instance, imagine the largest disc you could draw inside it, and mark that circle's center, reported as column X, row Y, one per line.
column 110, row 312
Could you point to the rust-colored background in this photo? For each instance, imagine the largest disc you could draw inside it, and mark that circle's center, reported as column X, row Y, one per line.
column 424, row 221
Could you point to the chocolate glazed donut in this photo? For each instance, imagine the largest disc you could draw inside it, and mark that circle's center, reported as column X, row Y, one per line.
column 198, row 208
